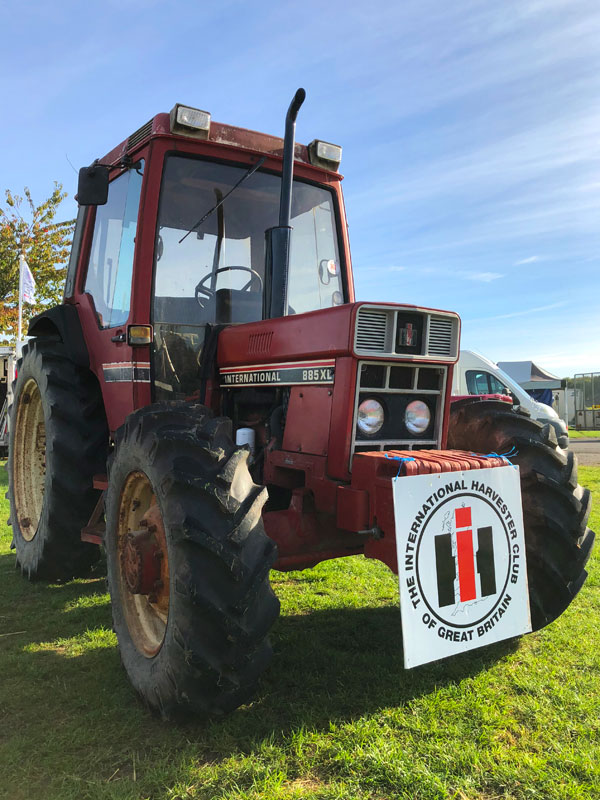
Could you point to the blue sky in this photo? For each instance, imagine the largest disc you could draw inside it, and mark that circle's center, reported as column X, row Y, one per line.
column 471, row 134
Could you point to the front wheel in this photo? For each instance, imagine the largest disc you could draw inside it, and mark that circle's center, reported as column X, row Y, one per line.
column 188, row 562
column 555, row 507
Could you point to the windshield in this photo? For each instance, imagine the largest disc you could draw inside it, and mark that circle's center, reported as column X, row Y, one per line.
column 216, row 273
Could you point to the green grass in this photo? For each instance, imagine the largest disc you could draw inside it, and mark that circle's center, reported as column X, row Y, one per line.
column 573, row 434
column 337, row 717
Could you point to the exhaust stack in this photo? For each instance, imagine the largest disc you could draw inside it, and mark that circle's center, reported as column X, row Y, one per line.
column 277, row 240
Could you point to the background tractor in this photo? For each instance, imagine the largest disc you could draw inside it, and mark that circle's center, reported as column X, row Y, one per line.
column 210, row 402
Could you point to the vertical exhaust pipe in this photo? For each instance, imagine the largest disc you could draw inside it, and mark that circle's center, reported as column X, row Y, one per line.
column 277, row 240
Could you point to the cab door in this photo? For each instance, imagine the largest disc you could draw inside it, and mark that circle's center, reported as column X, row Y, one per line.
column 105, row 296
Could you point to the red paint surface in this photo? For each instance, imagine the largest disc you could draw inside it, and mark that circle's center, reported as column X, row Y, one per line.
column 466, row 565
column 463, row 517
column 308, row 420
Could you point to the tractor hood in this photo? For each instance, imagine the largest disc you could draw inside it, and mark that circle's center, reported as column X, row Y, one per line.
column 374, row 330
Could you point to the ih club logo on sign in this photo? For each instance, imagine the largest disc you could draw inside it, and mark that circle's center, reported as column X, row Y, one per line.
column 462, row 563
column 461, row 560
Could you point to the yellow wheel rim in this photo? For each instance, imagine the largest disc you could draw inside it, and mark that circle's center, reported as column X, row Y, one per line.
column 142, row 550
column 29, row 459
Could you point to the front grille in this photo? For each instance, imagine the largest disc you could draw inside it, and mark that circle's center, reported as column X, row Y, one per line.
column 412, row 333
column 395, row 385
column 439, row 340
column 371, row 330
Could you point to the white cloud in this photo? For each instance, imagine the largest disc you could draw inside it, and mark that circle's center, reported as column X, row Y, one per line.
column 378, row 269
column 523, row 313
column 529, row 260
column 482, row 277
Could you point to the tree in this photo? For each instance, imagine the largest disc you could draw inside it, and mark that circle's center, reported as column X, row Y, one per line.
column 30, row 230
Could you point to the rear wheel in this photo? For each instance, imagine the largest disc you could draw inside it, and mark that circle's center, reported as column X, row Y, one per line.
column 555, row 507
column 188, row 562
column 58, row 441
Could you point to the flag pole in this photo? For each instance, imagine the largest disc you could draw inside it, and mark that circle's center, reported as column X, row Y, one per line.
column 20, row 296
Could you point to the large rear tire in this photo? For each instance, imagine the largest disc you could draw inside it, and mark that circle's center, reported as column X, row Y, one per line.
column 188, row 562
column 555, row 507
column 58, row 441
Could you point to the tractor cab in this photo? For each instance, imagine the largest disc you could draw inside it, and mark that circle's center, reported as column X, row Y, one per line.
column 174, row 238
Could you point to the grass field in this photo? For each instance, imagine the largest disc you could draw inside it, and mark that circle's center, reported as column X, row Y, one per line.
column 573, row 434
column 337, row 717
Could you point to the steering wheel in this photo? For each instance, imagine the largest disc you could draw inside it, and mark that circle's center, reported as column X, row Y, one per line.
column 201, row 289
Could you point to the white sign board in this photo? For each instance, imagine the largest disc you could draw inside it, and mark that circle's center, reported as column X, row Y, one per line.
column 461, row 561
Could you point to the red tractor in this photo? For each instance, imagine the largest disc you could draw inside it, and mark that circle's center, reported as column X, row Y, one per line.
column 210, row 402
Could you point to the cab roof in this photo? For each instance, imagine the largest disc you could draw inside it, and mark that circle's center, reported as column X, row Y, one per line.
column 220, row 134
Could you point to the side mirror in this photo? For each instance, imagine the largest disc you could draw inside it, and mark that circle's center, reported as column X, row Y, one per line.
column 92, row 189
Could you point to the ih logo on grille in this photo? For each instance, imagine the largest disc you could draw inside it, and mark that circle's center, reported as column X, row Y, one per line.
column 473, row 552
column 407, row 336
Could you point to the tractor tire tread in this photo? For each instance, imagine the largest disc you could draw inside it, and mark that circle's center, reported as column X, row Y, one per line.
column 555, row 508
column 76, row 447
column 221, row 603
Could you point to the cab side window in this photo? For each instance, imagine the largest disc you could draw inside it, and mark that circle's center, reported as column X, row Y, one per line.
column 110, row 267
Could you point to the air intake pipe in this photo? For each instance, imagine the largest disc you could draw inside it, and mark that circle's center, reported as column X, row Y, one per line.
column 277, row 240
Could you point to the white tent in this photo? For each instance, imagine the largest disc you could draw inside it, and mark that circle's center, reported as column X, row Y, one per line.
column 530, row 376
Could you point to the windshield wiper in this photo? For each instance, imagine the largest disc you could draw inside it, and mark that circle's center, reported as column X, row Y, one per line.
column 244, row 177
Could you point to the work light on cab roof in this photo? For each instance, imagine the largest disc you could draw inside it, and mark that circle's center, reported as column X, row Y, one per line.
column 190, row 121
column 325, row 154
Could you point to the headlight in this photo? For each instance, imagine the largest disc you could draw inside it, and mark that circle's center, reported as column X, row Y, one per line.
column 417, row 417
column 370, row 417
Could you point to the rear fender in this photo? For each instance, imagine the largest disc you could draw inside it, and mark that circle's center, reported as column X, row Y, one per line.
column 61, row 324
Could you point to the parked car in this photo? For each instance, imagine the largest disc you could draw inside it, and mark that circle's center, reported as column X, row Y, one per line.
column 474, row 374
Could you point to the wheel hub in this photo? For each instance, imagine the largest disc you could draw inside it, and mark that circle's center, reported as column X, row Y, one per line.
column 140, row 559
column 143, row 560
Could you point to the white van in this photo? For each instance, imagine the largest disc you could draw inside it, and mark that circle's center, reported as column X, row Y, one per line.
column 475, row 374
